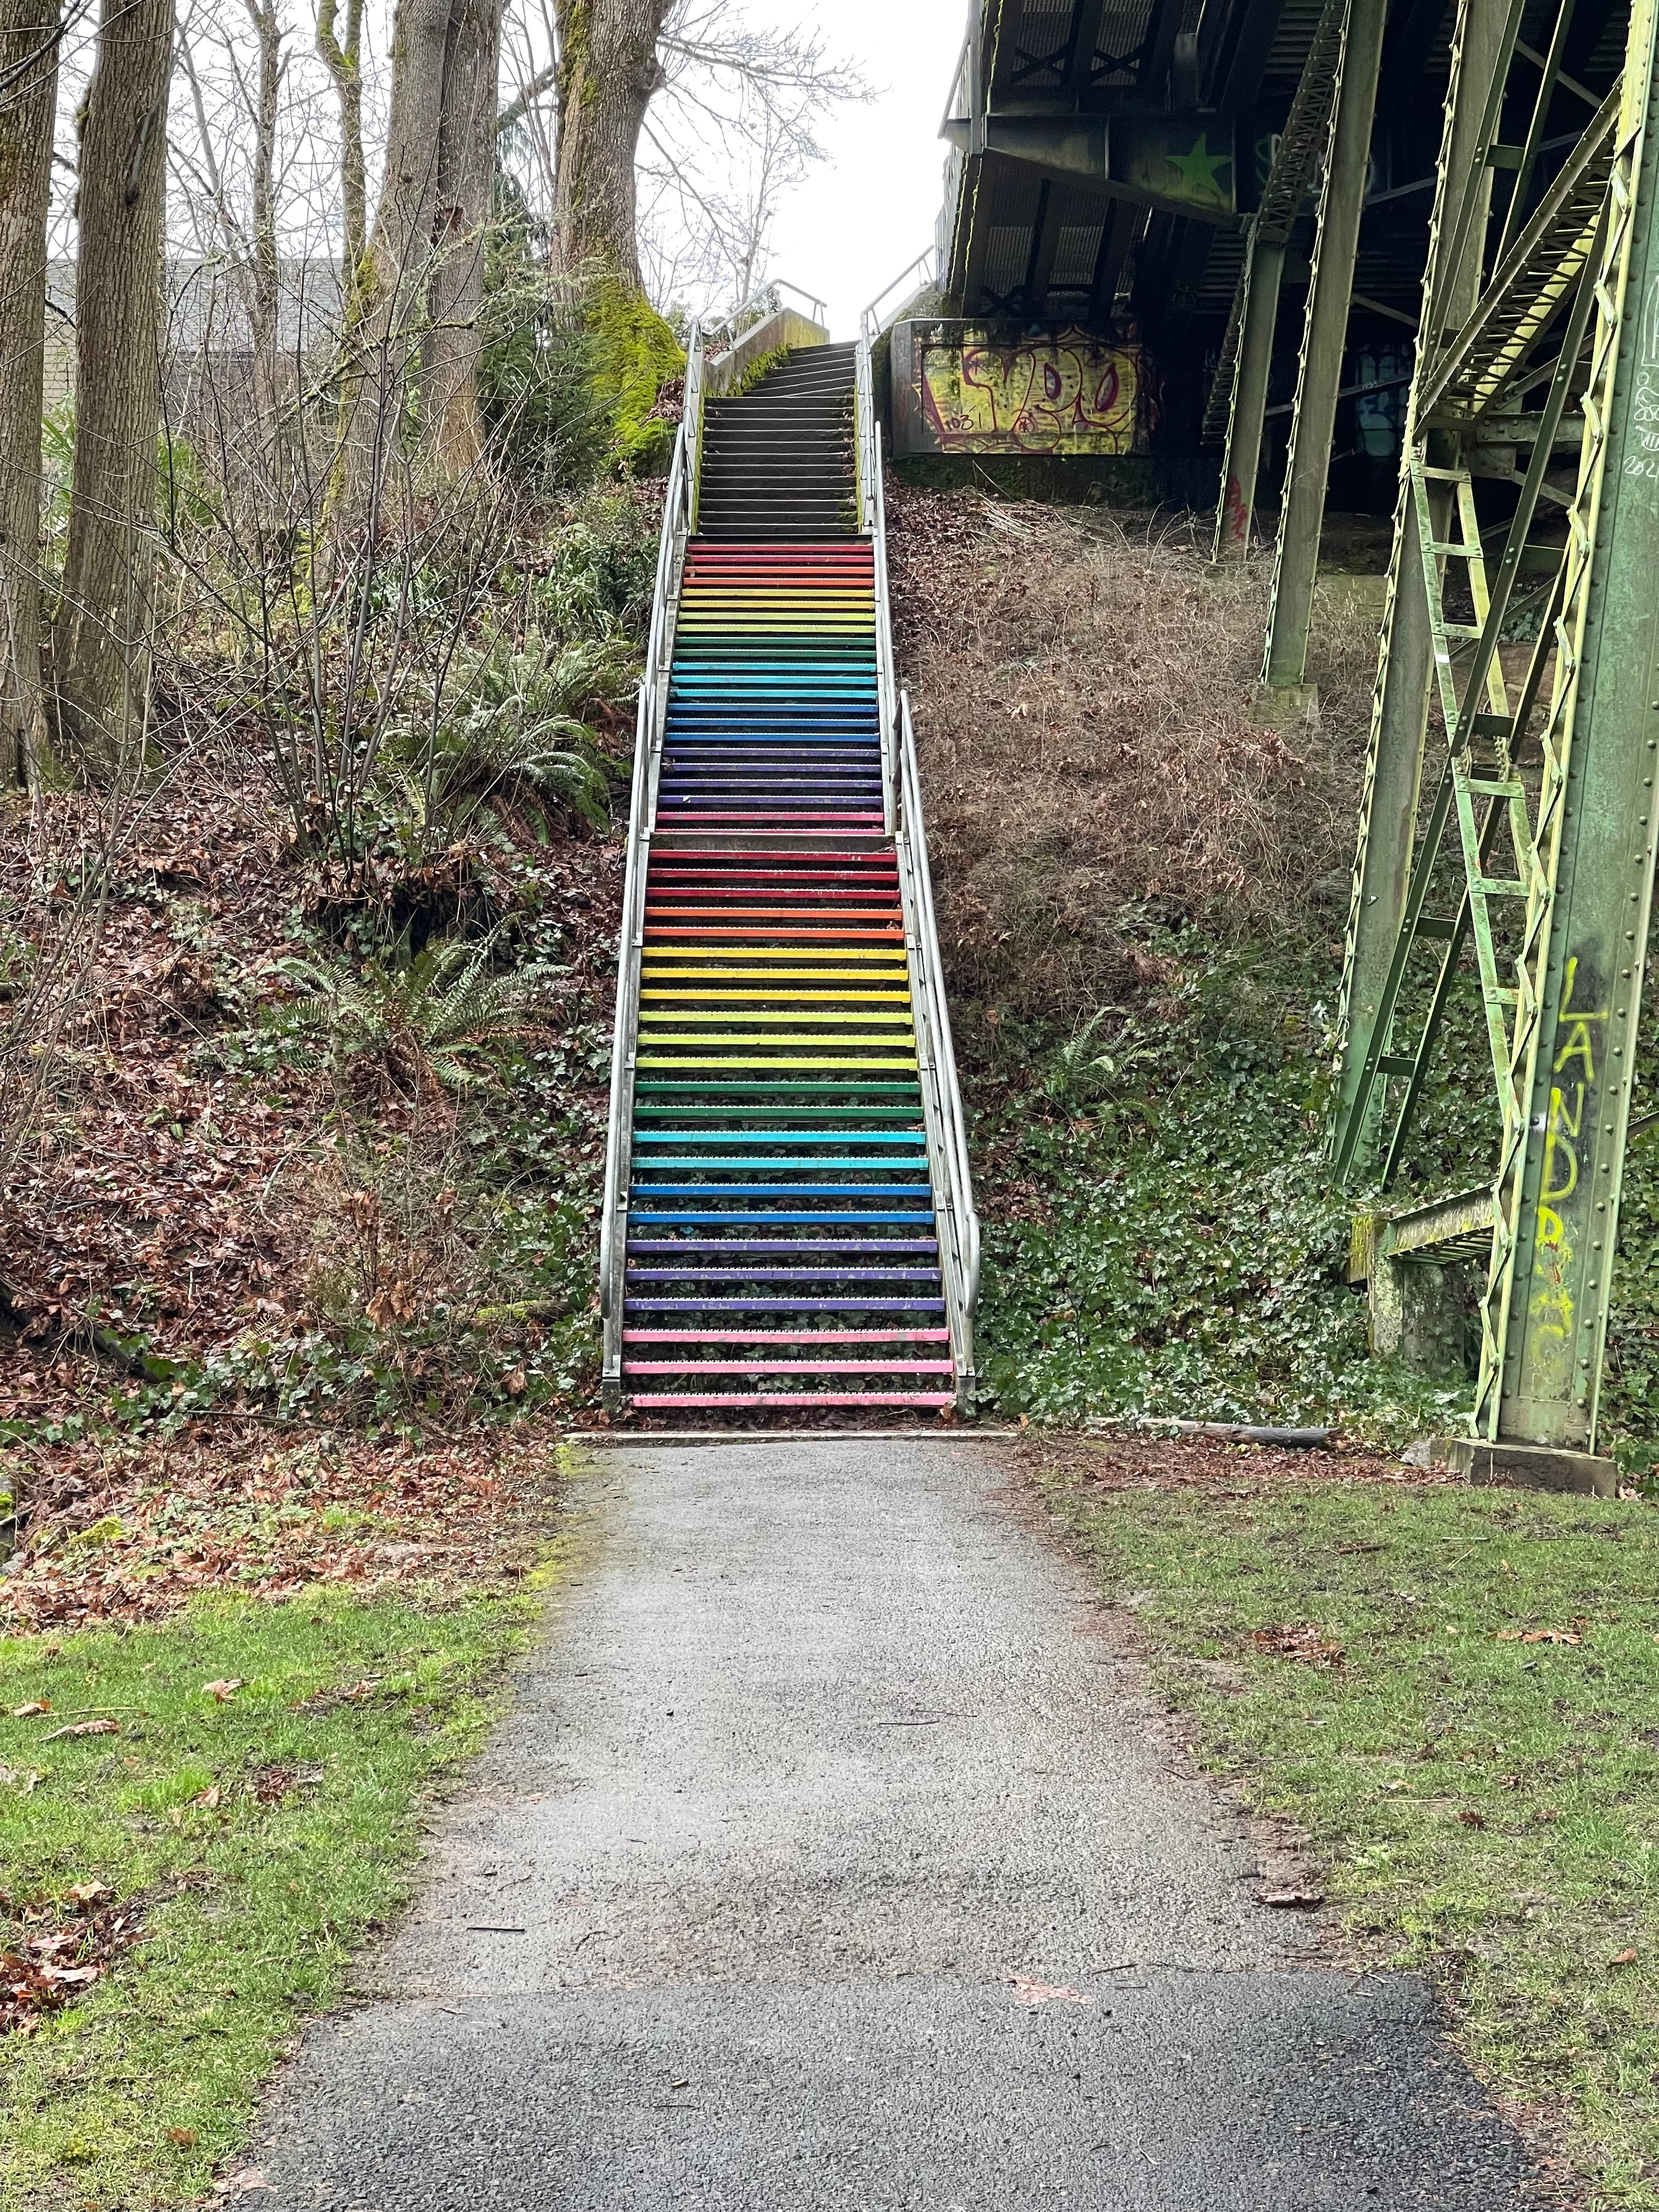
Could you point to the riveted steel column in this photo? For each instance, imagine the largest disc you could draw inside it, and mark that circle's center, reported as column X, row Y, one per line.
column 1324, row 337
column 1256, row 356
column 1400, row 708
column 1583, row 1060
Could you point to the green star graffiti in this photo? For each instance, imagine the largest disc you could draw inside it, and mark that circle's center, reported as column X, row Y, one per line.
column 1201, row 171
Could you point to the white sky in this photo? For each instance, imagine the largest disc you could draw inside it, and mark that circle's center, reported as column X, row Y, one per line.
column 856, row 221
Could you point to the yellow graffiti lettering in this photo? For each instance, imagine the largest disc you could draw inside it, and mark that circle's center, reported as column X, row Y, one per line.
column 1560, row 1118
column 1578, row 1045
column 1551, row 1311
column 1556, row 1149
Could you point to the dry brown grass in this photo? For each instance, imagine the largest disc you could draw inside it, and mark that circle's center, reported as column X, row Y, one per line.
column 1082, row 686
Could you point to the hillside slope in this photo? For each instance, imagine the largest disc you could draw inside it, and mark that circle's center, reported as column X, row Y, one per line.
column 1142, row 896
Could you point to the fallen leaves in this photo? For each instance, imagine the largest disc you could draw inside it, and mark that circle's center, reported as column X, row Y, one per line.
column 49, row 1957
column 1298, row 1893
column 1028, row 1990
column 34, row 1706
column 224, row 1691
column 1288, row 1641
column 234, row 1507
column 84, row 1728
column 1625, row 1958
column 1539, row 1636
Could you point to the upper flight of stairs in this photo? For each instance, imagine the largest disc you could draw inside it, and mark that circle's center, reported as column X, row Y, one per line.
column 779, row 1244
column 778, row 463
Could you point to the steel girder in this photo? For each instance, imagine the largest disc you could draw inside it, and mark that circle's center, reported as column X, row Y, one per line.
column 1238, row 393
column 1324, row 337
column 1541, row 800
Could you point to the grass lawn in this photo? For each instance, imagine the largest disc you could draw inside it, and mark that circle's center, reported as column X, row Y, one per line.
column 256, row 1833
column 1479, row 1767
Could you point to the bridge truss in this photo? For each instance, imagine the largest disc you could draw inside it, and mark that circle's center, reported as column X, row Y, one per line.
column 1508, row 828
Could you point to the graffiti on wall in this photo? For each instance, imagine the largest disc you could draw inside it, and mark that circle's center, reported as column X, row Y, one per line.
column 1063, row 392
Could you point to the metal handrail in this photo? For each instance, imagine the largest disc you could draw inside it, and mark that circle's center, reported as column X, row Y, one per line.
column 954, row 1119
column 959, row 1240
column 872, row 522
column 870, row 323
column 724, row 332
column 679, row 507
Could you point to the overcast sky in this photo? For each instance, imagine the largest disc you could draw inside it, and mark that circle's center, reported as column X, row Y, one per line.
column 854, row 223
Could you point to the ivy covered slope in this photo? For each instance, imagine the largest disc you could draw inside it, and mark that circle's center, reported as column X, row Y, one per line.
column 1142, row 896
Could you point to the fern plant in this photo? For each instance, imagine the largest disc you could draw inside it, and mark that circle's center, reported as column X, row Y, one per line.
column 512, row 729
column 423, row 1022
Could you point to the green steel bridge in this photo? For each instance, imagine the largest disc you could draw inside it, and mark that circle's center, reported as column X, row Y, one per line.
column 1269, row 195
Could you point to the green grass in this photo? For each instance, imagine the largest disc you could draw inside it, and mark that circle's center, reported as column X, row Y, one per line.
column 252, row 1911
column 1489, row 1808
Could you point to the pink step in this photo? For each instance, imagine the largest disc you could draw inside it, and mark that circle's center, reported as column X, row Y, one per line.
column 786, row 1336
column 772, row 1398
column 788, row 1367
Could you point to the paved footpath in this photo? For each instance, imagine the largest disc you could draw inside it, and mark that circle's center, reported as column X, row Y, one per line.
column 827, row 1767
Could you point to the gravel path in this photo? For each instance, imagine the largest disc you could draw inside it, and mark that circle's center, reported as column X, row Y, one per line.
column 832, row 1857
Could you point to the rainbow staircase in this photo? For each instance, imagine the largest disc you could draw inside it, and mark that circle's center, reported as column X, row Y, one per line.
column 789, row 1222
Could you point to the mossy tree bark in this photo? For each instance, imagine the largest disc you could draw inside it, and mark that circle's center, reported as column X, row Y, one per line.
column 29, row 31
column 342, row 55
column 451, row 428
column 607, row 72
column 102, row 652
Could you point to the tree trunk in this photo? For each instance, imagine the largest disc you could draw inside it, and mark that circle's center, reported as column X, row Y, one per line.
column 608, row 71
column 345, row 59
column 102, row 656
column 389, row 319
column 268, row 30
column 451, row 428
column 28, row 69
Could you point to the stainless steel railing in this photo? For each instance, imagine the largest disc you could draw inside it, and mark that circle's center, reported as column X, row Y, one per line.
column 942, row 1110
column 954, row 1214
column 872, row 522
column 678, row 519
column 924, row 269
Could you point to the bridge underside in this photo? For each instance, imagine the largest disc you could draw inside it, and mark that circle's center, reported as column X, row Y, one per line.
column 1106, row 162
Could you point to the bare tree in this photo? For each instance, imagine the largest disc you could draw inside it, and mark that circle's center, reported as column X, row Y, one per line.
column 268, row 34
column 344, row 56
column 102, row 662
column 29, row 35
column 670, row 157
column 451, row 428
column 388, row 313
column 248, row 236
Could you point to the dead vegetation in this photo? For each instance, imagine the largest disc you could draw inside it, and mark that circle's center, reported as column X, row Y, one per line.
column 1082, row 684
column 129, row 1529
